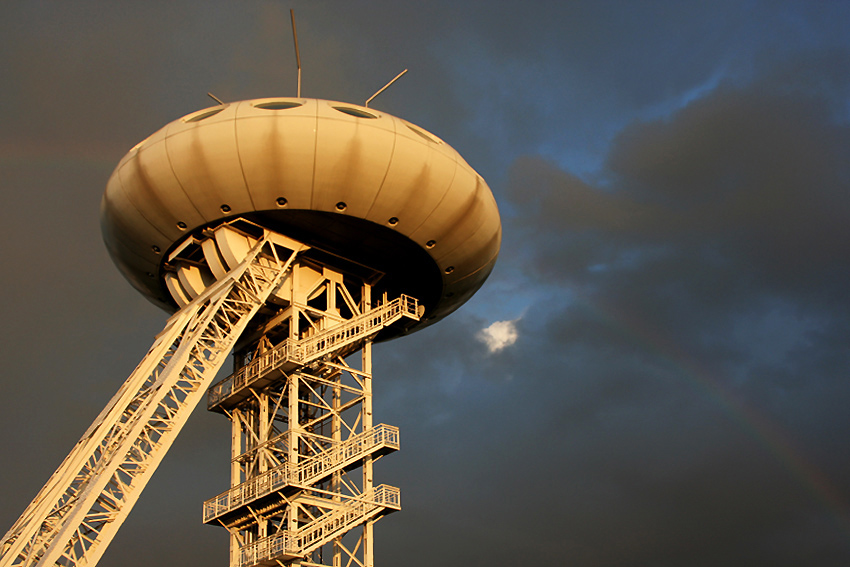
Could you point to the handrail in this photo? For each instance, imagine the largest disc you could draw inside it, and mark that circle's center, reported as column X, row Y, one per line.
column 322, row 529
column 341, row 454
column 306, row 350
column 326, row 526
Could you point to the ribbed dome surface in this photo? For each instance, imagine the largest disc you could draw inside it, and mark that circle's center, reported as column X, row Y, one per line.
column 356, row 182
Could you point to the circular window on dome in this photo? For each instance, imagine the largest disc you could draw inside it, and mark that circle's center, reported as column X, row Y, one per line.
column 354, row 112
column 278, row 105
column 203, row 114
column 422, row 133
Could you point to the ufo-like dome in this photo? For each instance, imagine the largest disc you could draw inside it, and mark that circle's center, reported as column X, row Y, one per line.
column 356, row 183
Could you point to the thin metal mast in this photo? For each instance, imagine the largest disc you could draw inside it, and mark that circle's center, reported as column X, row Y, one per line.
column 297, row 52
column 382, row 89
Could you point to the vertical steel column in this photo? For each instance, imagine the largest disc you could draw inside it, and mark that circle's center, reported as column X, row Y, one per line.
column 366, row 362
column 236, row 449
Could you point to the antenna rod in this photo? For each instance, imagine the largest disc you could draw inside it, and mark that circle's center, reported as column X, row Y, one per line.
column 215, row 98
column 297, row 53
column 397, row 77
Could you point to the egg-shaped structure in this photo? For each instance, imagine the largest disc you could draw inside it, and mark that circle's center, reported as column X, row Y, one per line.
column 353, row 182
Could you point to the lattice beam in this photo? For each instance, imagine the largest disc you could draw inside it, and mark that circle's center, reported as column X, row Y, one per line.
column 79, row 510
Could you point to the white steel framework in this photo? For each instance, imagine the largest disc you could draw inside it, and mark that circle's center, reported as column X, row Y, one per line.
column 75, row 515
column 303, row 439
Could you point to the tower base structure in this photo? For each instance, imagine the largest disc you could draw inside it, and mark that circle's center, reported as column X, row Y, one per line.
column 303, row 438
column 300, row 323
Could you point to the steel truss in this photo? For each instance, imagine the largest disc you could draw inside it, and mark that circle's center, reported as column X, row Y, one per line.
column 76, row 514
column 303, row 439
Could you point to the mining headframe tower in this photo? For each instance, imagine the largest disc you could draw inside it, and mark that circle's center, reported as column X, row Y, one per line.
column 294, row 233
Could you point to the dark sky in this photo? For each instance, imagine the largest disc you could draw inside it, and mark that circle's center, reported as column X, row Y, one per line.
column 667, row 381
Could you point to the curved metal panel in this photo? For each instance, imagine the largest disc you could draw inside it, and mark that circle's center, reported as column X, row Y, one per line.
column 352, row 155
column 277, row 151
column 370, row 180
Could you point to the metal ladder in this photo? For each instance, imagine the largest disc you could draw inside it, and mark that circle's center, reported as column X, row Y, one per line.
column 81, row 507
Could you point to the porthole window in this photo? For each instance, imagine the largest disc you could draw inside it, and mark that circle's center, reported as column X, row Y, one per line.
column 354, row 112
column 278, row 105
column 423, row 134
column 203, row 114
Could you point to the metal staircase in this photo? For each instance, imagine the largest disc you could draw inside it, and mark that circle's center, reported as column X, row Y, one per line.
column 381, row 439
column 341, row 514
column 76, row 514
column 291, row 354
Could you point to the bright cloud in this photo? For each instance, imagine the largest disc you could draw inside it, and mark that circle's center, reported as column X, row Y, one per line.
column 499, row 335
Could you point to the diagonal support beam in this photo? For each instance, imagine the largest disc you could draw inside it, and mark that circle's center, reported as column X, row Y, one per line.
column 79, row 510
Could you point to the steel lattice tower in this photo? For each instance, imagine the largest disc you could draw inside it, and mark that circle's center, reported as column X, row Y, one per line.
column 294, row 233
column 303, row 438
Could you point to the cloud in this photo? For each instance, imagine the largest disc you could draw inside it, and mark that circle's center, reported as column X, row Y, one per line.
column 744, row 191
column 499, row 335
column 702, row 275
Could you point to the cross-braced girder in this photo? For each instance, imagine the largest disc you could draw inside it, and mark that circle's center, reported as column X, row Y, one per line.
column 78, row 511
column 304, row 443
